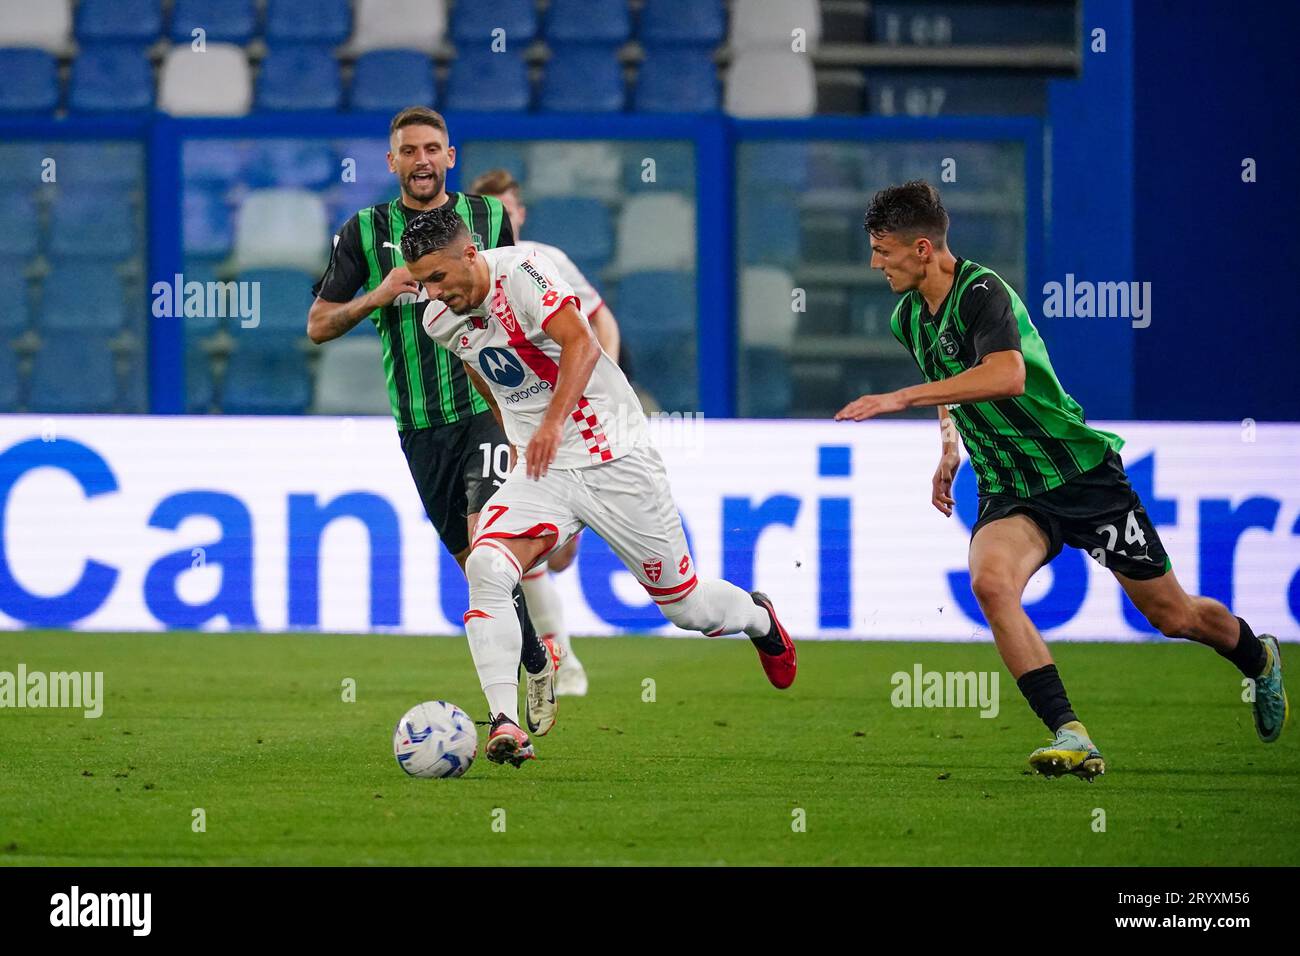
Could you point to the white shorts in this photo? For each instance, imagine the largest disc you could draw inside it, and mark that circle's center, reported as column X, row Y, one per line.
column 626, row 501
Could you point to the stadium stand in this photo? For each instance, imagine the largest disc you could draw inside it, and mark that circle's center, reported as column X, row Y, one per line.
column 248, row 205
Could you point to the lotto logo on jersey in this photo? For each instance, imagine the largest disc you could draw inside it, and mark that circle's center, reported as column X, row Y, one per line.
column 501, row 366
column 653, row 569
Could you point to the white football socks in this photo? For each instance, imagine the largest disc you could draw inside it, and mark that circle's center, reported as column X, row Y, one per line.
column 492, row 626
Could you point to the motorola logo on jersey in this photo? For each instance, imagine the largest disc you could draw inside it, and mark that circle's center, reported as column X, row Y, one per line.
column 501, row 367
column 535, row 389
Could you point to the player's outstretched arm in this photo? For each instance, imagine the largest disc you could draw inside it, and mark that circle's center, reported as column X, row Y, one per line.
column 579, row 352
column 328, row 320
column 1000, row 375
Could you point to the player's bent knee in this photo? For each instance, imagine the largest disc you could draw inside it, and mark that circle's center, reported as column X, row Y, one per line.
column 994, row 588
column 491, row 566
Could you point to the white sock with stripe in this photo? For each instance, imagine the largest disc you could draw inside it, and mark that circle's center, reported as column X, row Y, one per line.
column 492, row 625
column 717, row 607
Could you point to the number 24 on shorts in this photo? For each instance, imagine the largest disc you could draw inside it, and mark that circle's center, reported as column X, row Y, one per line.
column 1132, row 535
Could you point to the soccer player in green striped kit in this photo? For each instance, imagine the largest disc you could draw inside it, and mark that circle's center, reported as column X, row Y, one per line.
column 454, row 444
column 1046, row 478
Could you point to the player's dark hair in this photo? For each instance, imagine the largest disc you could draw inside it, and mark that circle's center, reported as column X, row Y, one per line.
column 912, row 209
column 418, row 116
column 432, row 231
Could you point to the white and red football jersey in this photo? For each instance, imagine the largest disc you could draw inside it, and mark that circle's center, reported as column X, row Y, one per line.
column 570, row 273
column 504, row 339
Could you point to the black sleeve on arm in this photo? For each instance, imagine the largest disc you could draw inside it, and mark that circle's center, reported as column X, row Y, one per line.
column 991, row 326
column 347, row 270
column 506, row 235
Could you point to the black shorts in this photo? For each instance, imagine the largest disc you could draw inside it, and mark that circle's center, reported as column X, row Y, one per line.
column 457, row 468
column 1097, row 512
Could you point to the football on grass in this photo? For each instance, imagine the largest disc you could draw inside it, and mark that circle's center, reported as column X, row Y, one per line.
column 435, row 739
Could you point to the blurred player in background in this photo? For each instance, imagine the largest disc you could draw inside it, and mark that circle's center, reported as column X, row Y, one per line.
column 454, row 446
column 585, row 460
column 1046, row 477
column 543, row 596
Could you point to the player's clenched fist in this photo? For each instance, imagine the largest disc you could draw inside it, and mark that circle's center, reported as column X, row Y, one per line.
column 542, row 448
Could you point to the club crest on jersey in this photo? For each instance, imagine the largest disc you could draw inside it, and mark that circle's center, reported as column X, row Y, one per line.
column 500, row 308
column 948, row 343
column 653, row 569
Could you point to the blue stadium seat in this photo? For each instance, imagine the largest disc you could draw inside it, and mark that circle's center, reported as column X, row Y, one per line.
column 15, row 313
column 223, row 21
column 111, row 79
column 82, row 298
column 388, row 80
column 198, row 382
column 581, row 227
column 138, row 22
column 113, row 166
column 472, row 23
column 674, row 168
column 588, row 21
column 308, row 21
column 19, row 233
column 769, row 227
column 93, row 221
column 766, row 390
column 284, row 298
column 299, row 78
column 206, row 221
column 483, row 80
column 676, row 81
column 774, row 164
column 31, row 83
column 10, row 395
column 227, row 166
column 480, row 157
column 207, row 323
column 92, row 389
column 653, row 303
column 267, row 375
column 291, row 164
column 683, row 22
column 583, row 79
column 21, row 165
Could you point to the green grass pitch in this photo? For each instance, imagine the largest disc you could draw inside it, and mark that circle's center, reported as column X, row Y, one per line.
column 254, row 730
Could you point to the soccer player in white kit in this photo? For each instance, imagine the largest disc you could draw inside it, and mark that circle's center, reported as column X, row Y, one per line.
column 585, row 462
column 544, row 605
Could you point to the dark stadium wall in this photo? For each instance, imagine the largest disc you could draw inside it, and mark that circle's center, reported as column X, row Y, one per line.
column 1090, row 212
column 1215, row 85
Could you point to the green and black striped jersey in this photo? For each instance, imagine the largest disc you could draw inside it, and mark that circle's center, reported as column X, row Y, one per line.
column 1018, row 446
column 427, row 385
